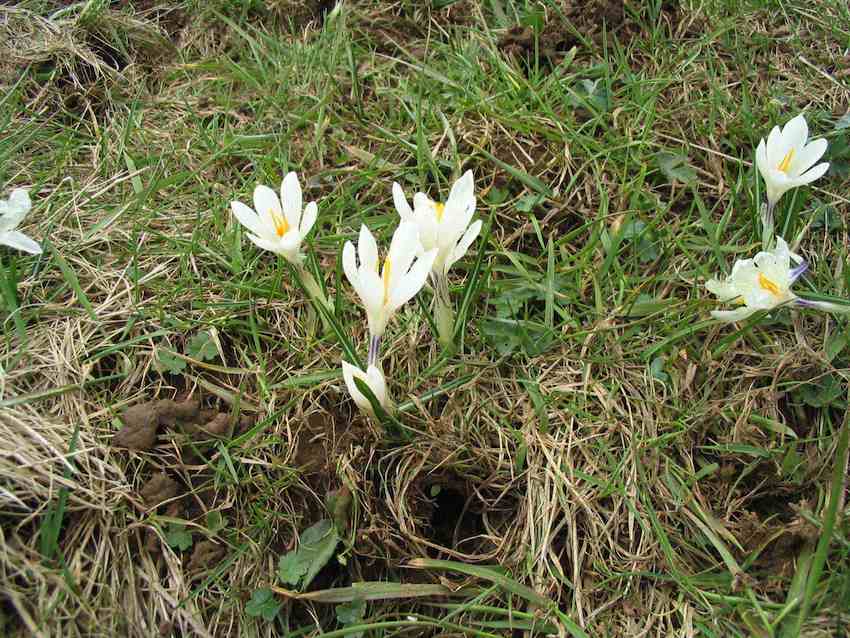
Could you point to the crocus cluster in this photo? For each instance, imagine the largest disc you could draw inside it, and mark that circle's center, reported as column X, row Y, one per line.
column 786, row 160
column 430, row 237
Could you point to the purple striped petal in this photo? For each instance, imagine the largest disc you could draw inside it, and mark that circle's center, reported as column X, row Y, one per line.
column 798, row 271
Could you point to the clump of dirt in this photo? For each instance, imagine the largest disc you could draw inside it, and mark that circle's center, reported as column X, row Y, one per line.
column 159, row 488
column 778, row 542
column 207, row 554
column 301, row 13
column 521, row 43
column 575, row 24
column 143, row 421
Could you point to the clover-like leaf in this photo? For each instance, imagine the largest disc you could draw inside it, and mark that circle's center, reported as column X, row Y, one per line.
column 178, row 537
column 291, row 569
column 351, row 613
column 202, row 347
column 676, row 167
column 316, row 547
column 263, row 604
column 169, row 361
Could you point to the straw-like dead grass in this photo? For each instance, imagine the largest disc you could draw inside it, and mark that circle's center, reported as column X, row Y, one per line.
column 649, row 480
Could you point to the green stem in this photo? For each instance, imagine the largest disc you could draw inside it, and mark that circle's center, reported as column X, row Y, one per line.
column 444, row 315
column 767, row 226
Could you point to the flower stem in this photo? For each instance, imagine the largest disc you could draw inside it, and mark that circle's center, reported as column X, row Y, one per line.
column 444, row 315
column 374, row 350
column 312, row 287
column 767, row 225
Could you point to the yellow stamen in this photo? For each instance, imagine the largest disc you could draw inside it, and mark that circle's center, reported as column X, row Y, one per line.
column 767, row 284
column 385, row 276
column 785, row 164
column 281, row 226
column 440, row 209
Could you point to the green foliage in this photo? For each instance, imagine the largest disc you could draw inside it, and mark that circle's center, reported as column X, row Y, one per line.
column 316, row 547
column 828, row 391
column 676, row 167
column 351, row 613
column 215, row 521
column 169, row 361
column 178, row 536
column 263, row 604
column 202, row 347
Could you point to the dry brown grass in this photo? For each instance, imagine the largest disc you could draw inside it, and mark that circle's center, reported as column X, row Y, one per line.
column 605, row 499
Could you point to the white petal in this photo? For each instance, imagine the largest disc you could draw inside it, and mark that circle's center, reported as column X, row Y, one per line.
column 13, row 210
column 813, row 174
column 421, row 202
column 723, row 290
column 733, row 315
column 464, row 188
column 401, row 205
column 367, row 249
column 15, row 239
column 349, row 266
column 796, row 132
column 413, row 281
column 19, row 199
column 807, row 156
column 403, row 249
column 774, row 145
column 761, row 158
column 377, row 383
column 265, row 244
column 265, row 203
column 465, row 242
column 248, row 218
column 290, row 196
column 308, row 218
column 348, row 373
column 371, row 291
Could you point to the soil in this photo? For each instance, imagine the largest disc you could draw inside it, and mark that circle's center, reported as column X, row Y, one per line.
column 159, row 488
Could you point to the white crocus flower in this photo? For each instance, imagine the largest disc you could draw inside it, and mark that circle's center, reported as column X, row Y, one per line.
column 12, row 213
column 280, row 229
column 373, row 377
column 400, row 278
column 785, row 161
column 444, row 227
column 761, row 283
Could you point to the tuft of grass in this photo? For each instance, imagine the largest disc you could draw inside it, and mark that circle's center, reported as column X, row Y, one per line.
column 627, row 464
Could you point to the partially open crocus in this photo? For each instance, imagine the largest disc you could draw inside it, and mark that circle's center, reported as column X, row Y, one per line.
column 12, row 213
column 787, row 159
column 761, row 283
column 374, row 379
column 278, row 224
column 401, row 276
column 445, row 227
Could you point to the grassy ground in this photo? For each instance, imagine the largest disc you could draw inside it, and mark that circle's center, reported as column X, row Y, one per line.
column 641, row 470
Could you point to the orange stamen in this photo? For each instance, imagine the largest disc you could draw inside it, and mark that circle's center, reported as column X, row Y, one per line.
column 281, row 226
column 767, row 284
column 785, row 164
column 385, row 277
column 439, row 209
